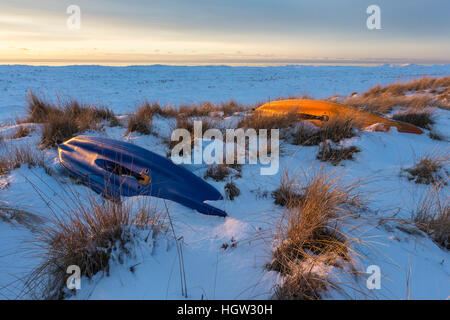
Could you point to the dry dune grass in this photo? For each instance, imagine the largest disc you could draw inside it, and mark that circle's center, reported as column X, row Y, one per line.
column 258, row 120
column 4, row 166
column 301, row 284
column 287, row 194
column 141, row 121
column 433, row 216
column 335, row 129
column 435, row 135
column 339, row 128
column 63, row 120
column 417, row 85
column 419, row 118
column 12, row 215
column 306, row 136
column 223, row 170
column 138, row 123
column 205, row 109
column 150, row 109
column 217, row 172
column 17, row 155
column 231, row 107
column 209, row 109
column 384, row 103
column 416, row 94
column 87, row 234
column 430, row 169
column 21, row 132
column 336, row 155
column 57, row 129
column 231, row 190
column 309, row 231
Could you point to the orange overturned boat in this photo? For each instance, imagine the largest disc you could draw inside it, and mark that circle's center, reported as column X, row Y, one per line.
column 318, row 112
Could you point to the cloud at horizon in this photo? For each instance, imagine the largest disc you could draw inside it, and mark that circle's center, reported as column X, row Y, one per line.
column 223, row 31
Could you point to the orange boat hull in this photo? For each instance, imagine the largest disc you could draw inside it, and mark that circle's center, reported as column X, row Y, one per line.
column 318, row 112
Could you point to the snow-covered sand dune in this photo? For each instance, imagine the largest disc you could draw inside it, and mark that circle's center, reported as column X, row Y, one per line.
column 412, row 266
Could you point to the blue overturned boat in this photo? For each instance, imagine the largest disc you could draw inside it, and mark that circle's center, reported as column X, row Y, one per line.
column 116, row 168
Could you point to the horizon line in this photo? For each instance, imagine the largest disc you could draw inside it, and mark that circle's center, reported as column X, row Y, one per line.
column 220, row 62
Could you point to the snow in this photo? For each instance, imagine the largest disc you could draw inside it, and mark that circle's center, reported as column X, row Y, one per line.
column 123, row 88
column 412, row 265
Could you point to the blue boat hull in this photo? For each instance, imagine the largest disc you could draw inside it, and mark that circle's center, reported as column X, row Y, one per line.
column 116, row 168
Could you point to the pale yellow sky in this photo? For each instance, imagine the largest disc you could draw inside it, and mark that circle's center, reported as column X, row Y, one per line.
column 171, row 32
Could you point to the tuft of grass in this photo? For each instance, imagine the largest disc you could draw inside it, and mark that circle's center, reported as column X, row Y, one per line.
column 436, row 136
column 218, row 172
column 287, row 193
column 423, row 119
column 141, row 121
column 19, row 155
column 259, row 120
column 114, row 122
column 22, row 217
column 231, row 107
column 87, row 235
column 309, row 232
column 64, row 120
column 137, row 124
column 336, row 155
column 428, row 170
column 433, row 216
column 38, row 109
column 58, row 128
column 194, row 111
column 22, row 132
column 301, row 284
column 4, row 166
column 208, row 109
column 335, row 129
column 306, row 136
column 231, row 190
column 155, row 109
column 338, row 128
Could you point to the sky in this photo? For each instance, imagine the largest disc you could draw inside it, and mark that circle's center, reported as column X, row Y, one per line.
column 129, row 32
